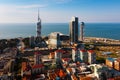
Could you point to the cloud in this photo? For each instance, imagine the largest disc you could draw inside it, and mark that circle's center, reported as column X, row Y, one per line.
column 59, row 1
column 32, row 6
column 19, row 13
column 63, row 1
column 22, row 6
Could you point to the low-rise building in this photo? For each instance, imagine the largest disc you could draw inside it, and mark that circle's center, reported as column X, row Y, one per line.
column 91, row 57
column 79, row 55
column 84, row 56
column 117, row 64
column 110, row 62
column 58, row 54
column 75, row 55
column 37, row 57
column 37, row 69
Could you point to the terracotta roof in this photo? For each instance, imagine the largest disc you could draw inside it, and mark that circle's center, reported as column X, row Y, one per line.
column 90, row 51
column 62, row 73
column 38, row 66
column 83, row 50
column 118, row 59
column 75, row 49
column 62, row 51
column 52, row 53
column 111, row 79
column 74, row 77
column 69, row 69
column 66, row 59
column 37, row 53
column 86, row 78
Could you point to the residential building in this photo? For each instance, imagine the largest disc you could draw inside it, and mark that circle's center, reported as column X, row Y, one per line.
column 79, row 55
column 37, row 58
column 37, row 69
column 110, row 62
column 58, row 54
column 117, row 64
column 91, row 57
column 75, row 54
column 84, row 56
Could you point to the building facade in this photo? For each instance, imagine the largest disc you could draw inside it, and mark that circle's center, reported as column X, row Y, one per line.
column 84, row 55
column 74, row 29
column 74, row 54
column 117, row 64
column 37, row 58
column 58, row 54
column 82, row 31
column 91, row 57
column 79, row 55
column 31, row 41
column 54, row 40
column 110, row 62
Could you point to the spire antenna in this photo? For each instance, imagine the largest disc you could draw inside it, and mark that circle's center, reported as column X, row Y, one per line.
column 38, row 15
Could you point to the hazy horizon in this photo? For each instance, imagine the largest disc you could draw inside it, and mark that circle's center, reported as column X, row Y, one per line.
column 58, row 22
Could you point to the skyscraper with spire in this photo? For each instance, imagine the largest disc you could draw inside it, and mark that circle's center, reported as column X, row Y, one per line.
column 38, row 30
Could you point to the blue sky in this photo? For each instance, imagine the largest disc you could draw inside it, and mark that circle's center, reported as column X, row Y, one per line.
column 25, row 11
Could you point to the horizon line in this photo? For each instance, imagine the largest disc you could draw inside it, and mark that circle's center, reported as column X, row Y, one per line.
column 50, row 22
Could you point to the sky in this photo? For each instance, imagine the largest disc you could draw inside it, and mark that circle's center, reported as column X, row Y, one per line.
column 59, row 11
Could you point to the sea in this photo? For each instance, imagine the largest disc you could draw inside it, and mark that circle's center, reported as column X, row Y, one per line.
column 102, row 30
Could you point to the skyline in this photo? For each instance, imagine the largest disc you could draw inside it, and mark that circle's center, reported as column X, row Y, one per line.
column 58, row 11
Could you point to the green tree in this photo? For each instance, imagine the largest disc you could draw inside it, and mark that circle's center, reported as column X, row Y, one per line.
column 26, row 42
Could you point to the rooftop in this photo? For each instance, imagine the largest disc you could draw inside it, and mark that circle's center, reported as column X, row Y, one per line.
column 61, row 51
column 38, row 66
column 83, row 50
column 90, row 51
column 111, row 59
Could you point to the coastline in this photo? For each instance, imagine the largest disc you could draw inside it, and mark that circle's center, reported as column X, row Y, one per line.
column 100, row 39
column 106, row 30
column 86, row 39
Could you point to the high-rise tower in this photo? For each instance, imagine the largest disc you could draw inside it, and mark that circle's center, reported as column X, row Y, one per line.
column 82, row 31
column 74, row 29
column 38, row 33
